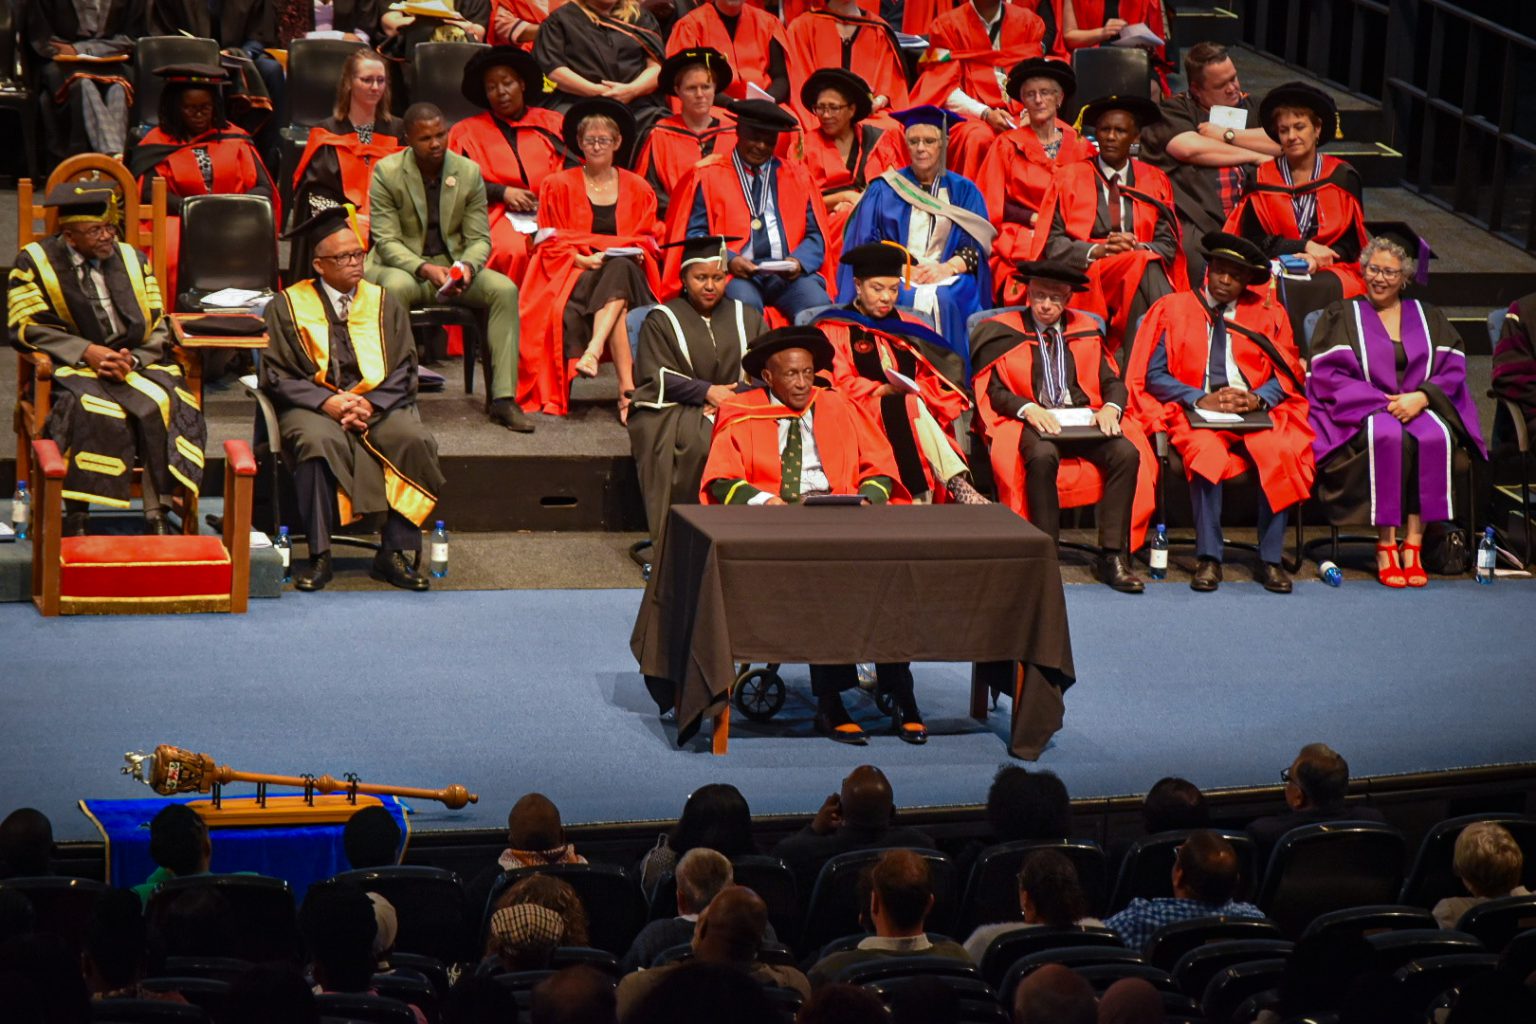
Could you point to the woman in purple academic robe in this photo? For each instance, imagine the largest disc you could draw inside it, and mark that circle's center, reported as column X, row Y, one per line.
column 1389, row 399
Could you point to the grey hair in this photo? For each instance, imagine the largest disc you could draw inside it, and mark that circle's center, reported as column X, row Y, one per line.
column 1381, row 243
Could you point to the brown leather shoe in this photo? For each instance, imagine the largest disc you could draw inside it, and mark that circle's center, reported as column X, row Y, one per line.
column 1207, row 576
column 1275, row 579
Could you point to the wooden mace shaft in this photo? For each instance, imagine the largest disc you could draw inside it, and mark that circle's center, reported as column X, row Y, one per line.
column 454, row 797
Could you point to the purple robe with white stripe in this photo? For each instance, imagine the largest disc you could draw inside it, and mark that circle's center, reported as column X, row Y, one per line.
column 1353, row 373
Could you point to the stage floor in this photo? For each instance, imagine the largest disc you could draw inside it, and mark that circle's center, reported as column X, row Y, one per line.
column 511, row 691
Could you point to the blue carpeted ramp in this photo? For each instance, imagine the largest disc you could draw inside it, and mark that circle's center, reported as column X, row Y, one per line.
column 511, row 691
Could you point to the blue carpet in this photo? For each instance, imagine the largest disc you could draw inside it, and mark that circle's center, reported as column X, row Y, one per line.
column 511, row 691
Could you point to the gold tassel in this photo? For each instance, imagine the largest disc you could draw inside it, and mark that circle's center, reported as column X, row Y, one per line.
column 1338, row 126
column 352, row 223
column 1269, row 292
column 906, row 269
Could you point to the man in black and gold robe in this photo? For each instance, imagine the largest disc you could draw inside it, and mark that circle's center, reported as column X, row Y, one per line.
column 341, row 369
column 91, row 304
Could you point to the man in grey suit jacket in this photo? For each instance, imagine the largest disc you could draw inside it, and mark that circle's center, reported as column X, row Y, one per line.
column 431, row 238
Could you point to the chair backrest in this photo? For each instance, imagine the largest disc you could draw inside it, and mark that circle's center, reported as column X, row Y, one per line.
column 632, row 322
column 1432, row 878
column 1394, row 949
column 146, row 1011
column 1366, row 921
column 60, row 906
column 228, row 241
column 1170, row 942
column 786, row 1001
column 1147, row 870
column 428, row 967
column 810, row 313
column 616, row 909
column 597, row 959
column 360, row 1006
column 1233, row 986
column 261, row 912
column 1108, row 71
column 1010, row 947
column 866, row 971
column 1520, row 954
column 439, row 71
column 150, row 52
column 97, row 167
column 1422, row 982
column 1496, row 922
column 213, row 968
column 314, row 69
column 834, row 908
column 1075, row 957
column 773, row 880
column 975, row 1001
column 992, row 892
column 1101, row 976
column 412, row 991
column 1197, row 967
column 208, row 993
column 1322, row 867
column 430, row 907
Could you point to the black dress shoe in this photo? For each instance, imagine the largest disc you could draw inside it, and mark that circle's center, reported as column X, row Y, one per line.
column 76, row 524
column 317, row 575
column 157, row 526
column 506, row 412
column 1115, row 570
column 394, row 568
column 1275, row 579
column 832, row 721
column 1207, row 576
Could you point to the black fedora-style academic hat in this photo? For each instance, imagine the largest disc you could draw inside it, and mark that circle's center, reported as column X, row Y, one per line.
column 1222, row 245
column 1042, row 67
column 762, row 347
column 1300, row 96
column 846, row 84
column 706, row 57
column 605, row 107
column 1139, row 107
column 517, row 60
column 1053, row 270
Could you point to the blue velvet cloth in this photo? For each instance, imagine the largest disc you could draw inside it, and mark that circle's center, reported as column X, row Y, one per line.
column 299, row 855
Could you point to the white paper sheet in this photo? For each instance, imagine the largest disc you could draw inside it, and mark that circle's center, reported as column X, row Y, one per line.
column 777, row 266
column 1212, row 416
column 901, row 381
column 1235, row 118
column 1077, row 416
column 623, row 250
column 1138, row 35
column 230, row 298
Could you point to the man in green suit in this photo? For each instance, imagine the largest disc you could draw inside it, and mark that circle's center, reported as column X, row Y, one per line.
column 431, row 238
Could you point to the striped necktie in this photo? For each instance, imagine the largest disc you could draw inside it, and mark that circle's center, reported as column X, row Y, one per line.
column 792, row 457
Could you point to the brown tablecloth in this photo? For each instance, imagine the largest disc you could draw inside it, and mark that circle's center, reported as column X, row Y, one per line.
column 837, row 585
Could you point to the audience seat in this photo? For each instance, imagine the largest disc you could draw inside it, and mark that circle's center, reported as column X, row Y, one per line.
column 1101, row 976
column 150, row 52
column 1496, row 922
column 213, row 968
column 1520, row 954
column 976, row 1003
column 632, row 323
column 521, row 984
column 207, row 993
column 364, row 1008
column 314, row 69
column 227, row 241
column 430, row 906
column 261, row 910
column 586, row 956
column 18, row 92
column 1369, row 920
column 1431, row 877
column 1234, row 986
column 770, row 953
column 437, row 70
column 1075, row 957
column 1423, row 981
column 616, row 909
column 427, row 967
column 1007, row 949
column 786, row 1001
column 1323, row 867
column 146, row 1011
column 1394, row 949
column 870, row 971
column 833, row 909
column 1147, row 870
column 60, row 906
column 1170, row 942
column 1198, row 966
column 412, row 991
column 767, row 876
column 992, row 892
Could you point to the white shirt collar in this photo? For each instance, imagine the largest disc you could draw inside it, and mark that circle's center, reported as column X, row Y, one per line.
column 1110, row 172
column 335, row 296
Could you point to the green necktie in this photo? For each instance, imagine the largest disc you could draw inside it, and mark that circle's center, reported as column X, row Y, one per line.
column 789, row 488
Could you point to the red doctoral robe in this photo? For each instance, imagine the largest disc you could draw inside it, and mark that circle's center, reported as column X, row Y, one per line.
column 1078, row 481
column 672, row 149
column 537, row 153
column 747, row 51
column 355, row 159
column 789, row 10
column 745, row 445
column 543, row 372
column 527, row 10
column 1013, row 179
column 814, row 44
column 1265, row 216
column 1094, row 13
column 1282, row 455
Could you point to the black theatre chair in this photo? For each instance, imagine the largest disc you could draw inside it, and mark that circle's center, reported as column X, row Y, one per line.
column 869, row 971
column 597, row 959
column 437, row 71
column 427, row 320
column 208, row 993
column 1366, row 921
column 262, row 913
column 430, row 905
column 1394, row 949
column 18, row 93
column 1432, row 879
column 150, row 52
column 767, row 876
column 227, row 241
column 1197, row 967
column 1170, row 942
column 834, row 908
column 314, row 69
column 212, row 968
column 1234, row 986
column 60, row 906
column 616, row 909
column 992, row 892
column 975, row 1003
column 1075, row 957
column 412, row 991
column 1011, row 947
column 1147, row 870
column 1496, row 922
column 363, row 1008
column 1108, row 71
column 1423, row 982
column 1323, row 867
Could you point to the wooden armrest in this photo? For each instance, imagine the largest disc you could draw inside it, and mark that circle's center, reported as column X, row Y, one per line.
column 42, row 364
column 238, row 455
column 49, row 462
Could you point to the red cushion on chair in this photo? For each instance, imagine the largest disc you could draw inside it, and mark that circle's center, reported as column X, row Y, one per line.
column 174, row 566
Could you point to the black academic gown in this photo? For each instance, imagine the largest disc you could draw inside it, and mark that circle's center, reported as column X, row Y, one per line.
column 48, row 20
column 617, row 51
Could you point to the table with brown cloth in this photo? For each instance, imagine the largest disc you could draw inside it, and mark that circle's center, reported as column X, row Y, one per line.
column 838, row 585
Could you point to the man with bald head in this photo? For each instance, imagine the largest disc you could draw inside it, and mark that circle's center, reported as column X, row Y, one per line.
column 859, row 817
column 702, row 874
column 1315, row 787
column 1205, row 880
column 729, row 933
column 1054, row 995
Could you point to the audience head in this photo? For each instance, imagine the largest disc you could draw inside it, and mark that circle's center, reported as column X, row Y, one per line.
column 533, row 825
column 705, row 273
column 715, row 816
column 1041, row 85
column 839, row 98
column 867, row 800
column 1051, row 284
column 600, row 135
column 192, row 101
column 1174, row 803
column 575, row 995
column 705, row 993
column 1049, row 890
column 1132, row 1001
column 843, row 1004
column 1028, row 805
column 878, row 271
column 1212, row 76
column 502, row 79
column 426, row 133
column 902, row 893
column 701, row 874
column 271, row 992
column 759, row 123
column 731, row 928
column 479, row 999
column 695, row 76
column 26, row 844
column 548, row 891
column 787, row 359
column 364, row 84
column 112, row 955
column 339, row 926
column 178, row 841
column 386, row 924
column 198, row 922
column 1054, row 994
column 1317, row 779
column 1296, row 115
column 927, row 135
column 524, row 936
column 1386, row 266
column 371, row 838
column 1487, row 860
column 1205, row 869
column 1117, row 122
column 1234, row 264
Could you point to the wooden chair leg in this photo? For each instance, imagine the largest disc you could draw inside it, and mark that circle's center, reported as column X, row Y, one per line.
column 47, row 525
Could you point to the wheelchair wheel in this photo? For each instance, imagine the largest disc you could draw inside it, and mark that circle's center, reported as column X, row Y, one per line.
column 885, row 703
column 759, row 694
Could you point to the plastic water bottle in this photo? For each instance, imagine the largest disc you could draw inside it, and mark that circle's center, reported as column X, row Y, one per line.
column 1487, row 557
column 1157, row 554
column 285, row 552
column 21, row 510
column 1329, row 573
column 438, row 551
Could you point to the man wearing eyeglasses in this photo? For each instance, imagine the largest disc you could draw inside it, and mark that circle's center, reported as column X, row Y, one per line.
column 340, row 367
column 1315, row 785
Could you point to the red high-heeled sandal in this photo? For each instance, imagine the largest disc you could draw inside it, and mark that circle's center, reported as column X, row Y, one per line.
column 1392, row 575
column 1413, row 565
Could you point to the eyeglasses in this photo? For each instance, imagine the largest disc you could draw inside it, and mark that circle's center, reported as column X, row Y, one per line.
column 599, row 141
column 821, row 109
column 94, row 230
column 1285, row 774
column 1385, row 273
column 1041, row 94
column 345, row 259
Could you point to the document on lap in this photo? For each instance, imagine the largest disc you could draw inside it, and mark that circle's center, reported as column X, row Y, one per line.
column 776, row 266
column 1212, row 416
column 901, row 382
column 1077, row 416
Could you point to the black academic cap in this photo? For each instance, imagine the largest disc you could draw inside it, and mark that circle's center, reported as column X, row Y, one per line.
column 1413, row 243
column 82, row 201
column 324, row 224
column 707, row 57
column 845, row 83
column 211, row 75
column 1139, row 107
column 704, row 248
column 1053, row 270
column 928, row 114
column 877, row 259
column 1235, row 249
column 601, row 106
column 1300, row 96
column 519, row 61
column 760, row 348
column 1042, row 67
column 763, row 116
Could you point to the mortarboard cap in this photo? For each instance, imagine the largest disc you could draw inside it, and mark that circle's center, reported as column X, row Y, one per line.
column 938, row 117
column 326, row 223
column 763, row 116
column 81, row 202
column 1418, row 250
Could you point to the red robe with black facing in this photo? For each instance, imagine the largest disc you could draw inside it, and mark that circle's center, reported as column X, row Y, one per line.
column 536, row 153
column 814, row 44
column 745, row 445
column 1078, row 481
column 1266, row 216
column 672, row 149
column 1014, row 179
column 543, row 372
column 746, row 52
column 1282, row 455
column 875, row 151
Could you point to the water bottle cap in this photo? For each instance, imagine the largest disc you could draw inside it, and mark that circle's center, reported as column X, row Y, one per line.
column 20, row 484
column 282, row 531
column 439, row 524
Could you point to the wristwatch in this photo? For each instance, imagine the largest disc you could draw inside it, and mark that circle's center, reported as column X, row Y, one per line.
column 1228, row 135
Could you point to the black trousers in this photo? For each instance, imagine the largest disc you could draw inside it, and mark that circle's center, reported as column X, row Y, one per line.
column 894, row 678
column 1117, row 462
column 315, row 491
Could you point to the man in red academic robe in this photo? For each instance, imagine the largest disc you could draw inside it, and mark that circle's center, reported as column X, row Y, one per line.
column 1113, row 217
column 752, row 40
column 843, row 36
column 970, row 51
column 677, row 142
column 1037, row 373
column 1217, row 370
column 789, row 440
